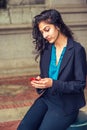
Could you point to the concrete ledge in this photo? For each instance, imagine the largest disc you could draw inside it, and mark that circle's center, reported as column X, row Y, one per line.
column 73, row 8
column 29, row 26
column 15, row 26
column 63, row 8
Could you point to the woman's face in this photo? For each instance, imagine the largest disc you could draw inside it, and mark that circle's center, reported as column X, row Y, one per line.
column 49, row 31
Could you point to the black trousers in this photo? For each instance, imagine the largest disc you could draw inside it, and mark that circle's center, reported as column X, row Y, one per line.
column 44, row 116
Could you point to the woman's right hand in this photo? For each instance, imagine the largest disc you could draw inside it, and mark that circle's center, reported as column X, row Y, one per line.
column 32, row 79
column 41, row 83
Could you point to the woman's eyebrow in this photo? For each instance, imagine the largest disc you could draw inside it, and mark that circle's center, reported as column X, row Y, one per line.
column 45, row 27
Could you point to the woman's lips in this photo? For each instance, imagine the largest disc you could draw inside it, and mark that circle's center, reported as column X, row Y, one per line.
column 48, row 39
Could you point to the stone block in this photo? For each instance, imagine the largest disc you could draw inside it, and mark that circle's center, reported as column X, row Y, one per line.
column 16, row 15
column 16, row 46
column 4, row 17
column 16, row 55
column 76, row 17
column 26, row 14
column 25, row 2
column 61, row 2
column 35, row 11
column 20, row 15
column 14, row 2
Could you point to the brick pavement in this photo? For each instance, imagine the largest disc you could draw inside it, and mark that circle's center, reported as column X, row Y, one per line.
column 16, row 96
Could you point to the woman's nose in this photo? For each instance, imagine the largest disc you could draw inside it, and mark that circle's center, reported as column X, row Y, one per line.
column 45, row 35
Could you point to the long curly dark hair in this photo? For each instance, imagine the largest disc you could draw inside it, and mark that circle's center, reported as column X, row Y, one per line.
column 51, row 16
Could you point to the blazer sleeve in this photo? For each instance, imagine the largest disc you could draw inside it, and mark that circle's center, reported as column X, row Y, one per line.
column 80, row 75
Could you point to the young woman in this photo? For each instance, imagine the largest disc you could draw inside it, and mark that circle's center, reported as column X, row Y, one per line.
column 62, row 76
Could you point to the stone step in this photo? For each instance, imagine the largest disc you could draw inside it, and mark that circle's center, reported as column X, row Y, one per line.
column 27, row 26
column 24, row 14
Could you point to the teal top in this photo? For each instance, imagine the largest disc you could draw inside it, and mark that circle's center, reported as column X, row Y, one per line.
column 53, row 68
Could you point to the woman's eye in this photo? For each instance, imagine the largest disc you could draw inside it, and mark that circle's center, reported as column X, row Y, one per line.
column 47, row 29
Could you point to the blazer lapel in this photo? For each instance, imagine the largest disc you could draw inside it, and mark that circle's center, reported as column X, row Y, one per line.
column 67, row 55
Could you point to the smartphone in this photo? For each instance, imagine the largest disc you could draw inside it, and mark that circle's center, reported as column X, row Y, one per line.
column 33, row 78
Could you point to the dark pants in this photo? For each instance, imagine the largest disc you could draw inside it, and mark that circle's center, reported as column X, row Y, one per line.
column 42, row 117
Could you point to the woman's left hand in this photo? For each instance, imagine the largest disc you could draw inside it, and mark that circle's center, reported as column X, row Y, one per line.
column 42, row 83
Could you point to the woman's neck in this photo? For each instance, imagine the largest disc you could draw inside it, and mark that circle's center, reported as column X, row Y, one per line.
column 61, row 41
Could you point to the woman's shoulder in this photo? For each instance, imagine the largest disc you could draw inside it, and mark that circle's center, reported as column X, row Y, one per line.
column 77, row 45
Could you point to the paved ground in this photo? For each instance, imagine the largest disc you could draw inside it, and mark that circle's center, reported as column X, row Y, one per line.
column 16, row 97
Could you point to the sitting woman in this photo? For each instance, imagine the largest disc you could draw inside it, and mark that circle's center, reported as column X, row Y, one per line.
column 62, row 76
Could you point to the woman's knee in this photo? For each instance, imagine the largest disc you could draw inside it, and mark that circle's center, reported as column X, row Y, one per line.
column 34, row 116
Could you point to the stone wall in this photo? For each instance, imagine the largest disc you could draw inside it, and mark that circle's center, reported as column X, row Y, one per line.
column 16, row 50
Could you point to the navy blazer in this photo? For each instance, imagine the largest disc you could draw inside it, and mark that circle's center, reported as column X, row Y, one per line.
column 72, row 75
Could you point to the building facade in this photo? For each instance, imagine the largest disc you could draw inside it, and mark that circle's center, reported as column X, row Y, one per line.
column 16, row 48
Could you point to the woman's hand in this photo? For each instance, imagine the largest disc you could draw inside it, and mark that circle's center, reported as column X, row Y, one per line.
column 41, row 82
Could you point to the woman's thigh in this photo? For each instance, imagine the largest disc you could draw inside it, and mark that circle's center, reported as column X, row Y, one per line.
column 57, row 121
column 34, row 116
